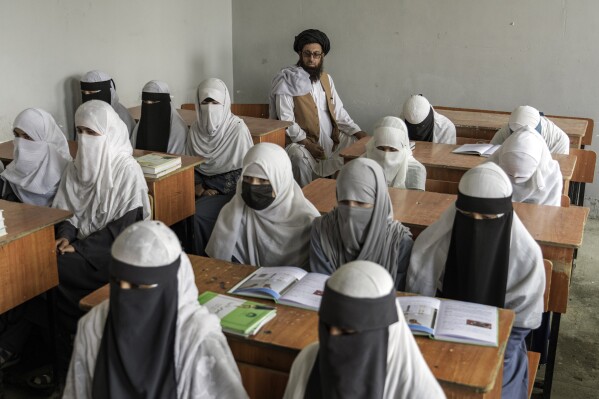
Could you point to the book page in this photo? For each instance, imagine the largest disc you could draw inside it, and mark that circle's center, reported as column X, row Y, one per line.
column 271, row 280
column 420, row 312
column 472, row 149
column 307, row 292
column 468, row 321
column 222, row 305
column 490, row 151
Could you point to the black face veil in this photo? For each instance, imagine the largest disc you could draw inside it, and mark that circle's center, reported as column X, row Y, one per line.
column 154, row 128
column 424, row 130
column 102, row 89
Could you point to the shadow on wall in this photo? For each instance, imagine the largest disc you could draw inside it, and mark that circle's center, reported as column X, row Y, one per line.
column 72, row 100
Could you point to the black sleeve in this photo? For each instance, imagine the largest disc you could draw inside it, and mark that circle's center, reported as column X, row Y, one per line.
column 6, row 192
column 66, row 230
column 95, row 248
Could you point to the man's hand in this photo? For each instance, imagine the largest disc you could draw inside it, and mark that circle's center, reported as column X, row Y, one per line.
column 315, row 150
column 360, row 135
column 63, row 246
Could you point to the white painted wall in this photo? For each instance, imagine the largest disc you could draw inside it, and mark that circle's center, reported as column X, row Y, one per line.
column 464, row 53
column 47, row 45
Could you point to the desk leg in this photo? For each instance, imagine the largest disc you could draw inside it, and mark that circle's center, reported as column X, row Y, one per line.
column 551, row 354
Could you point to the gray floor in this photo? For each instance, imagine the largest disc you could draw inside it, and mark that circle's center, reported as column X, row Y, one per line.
column 577, row 369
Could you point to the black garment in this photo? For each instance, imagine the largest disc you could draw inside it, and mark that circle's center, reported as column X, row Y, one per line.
column 477, row 263
column 424, row 130
column 352, row 365
column 103, row 94
column 311, row 36
column 7, row 193
column 136, row 358
column 154, row 128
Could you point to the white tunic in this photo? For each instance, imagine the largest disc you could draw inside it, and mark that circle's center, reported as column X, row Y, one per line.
column 557, row 140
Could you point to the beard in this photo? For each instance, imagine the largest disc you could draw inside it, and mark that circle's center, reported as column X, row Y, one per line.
column 314, row 72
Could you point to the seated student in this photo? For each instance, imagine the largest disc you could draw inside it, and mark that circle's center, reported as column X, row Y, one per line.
column 267, row 223
column 557, row 140
column 105, row 190
column 152, row 339
column 160, row 127
column 222, row 139
column 425, row 124
column 390, row 148
column 365, row 349
column 536, row 177
column 41, row 154
column 361, row 227
column 479, row 251
column 98, row 85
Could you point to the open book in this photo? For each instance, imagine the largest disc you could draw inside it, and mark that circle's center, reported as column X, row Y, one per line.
column 484, row 150
column 237, row 316
column 449, row 320
column 286, row 285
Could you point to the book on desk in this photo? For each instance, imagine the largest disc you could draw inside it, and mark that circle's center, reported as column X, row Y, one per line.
column 484, row 150
column 156, row 165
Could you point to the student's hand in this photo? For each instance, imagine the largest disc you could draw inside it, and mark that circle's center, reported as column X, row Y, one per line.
column 314, row 149
column 199, row 190
column 210, row 192
column 63, row 246
column 360, row 135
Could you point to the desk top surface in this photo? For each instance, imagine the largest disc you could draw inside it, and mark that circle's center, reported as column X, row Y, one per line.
column 22, row 219
column 549, row 225
column 470, row 366
column 437, row 155
column 496, row 120
column 257, row 126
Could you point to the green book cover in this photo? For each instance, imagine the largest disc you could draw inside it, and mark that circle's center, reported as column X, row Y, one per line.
column 236, row 315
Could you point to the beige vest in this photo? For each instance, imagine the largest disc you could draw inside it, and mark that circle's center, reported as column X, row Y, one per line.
column 306, row 113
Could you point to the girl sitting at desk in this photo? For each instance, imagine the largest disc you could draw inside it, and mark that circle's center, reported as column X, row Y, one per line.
column 267, row 223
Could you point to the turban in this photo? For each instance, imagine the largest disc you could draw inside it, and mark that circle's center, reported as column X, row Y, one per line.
column 311, row 36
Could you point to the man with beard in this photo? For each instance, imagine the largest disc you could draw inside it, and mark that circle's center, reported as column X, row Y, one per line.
column 305, row 95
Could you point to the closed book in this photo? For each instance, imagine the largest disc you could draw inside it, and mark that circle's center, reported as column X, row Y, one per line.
column 161, row 173
column 156, row 163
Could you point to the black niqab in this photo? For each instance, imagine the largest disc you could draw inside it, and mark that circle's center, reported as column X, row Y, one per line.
column 424, row 130
column 154, row 128
column 103, row 94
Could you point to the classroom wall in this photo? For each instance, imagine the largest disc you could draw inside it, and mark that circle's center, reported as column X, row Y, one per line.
column 46, row 46
column 463, row 53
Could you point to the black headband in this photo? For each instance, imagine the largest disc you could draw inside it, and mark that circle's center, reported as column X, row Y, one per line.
column 359, row 314
column 146, row 96
column 488, row 206
column 144, row 275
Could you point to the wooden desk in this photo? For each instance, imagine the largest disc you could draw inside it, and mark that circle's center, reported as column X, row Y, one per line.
column 266, row 358
column 444, row 169
column 27, row 253
column 483, row 124
column 558, row 230
column 173, row 193
column 262, row 130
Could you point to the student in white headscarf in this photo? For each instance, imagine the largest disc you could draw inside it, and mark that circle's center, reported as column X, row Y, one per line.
column 536, row 177
column 365, row 349
column 267, row 223
column 482, row 229
column 151, row 338
column 361, row 227
column 160, row 127
column 98, row 85
column 426, row 124
column 390, row 148
column 41, row 154
column 557, row 140
column 222, row 139
column 105, row 190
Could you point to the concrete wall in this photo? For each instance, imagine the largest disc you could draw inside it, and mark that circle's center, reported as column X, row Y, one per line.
column 463, row 53
column 47, row 45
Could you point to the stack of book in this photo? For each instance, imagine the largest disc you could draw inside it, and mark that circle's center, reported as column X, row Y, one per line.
column 157, row 165
column 237, row 316
column 2, row 226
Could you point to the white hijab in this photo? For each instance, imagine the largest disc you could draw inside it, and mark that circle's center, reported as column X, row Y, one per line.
column 104, row 182
column 408, row 375
column 217, row 135
column 35, row 172
column 526, row 273
column 203, row 361
column 291, row 81
column 178, row 132
column 276, row 236
column 536, row 177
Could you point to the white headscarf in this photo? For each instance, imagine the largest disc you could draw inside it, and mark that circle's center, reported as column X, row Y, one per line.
column 35, row 172
column 526, row 273
column 203, row 361
column 178, row 132
column 290, row 81
column 104, row 182
column 536, row 177
column 217, row 135
column 524, row 115
column 99, row 76
column 408, row 375
column 416, row 109
column 276, row 236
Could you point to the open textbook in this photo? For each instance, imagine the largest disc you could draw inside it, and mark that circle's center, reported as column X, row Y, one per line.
column 287, row 285
column 484, row 150
column 449, row 320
